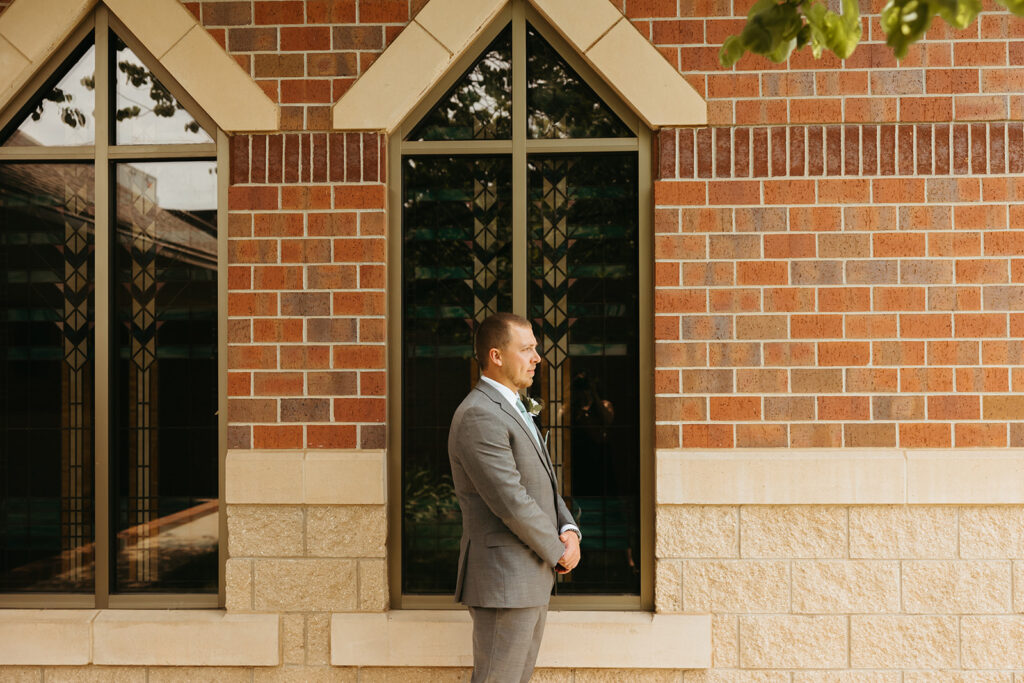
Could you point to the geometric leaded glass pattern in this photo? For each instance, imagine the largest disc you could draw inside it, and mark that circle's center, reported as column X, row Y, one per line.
column 150, row 422
column 46, row 366
column 456, row 270
column 561, row 248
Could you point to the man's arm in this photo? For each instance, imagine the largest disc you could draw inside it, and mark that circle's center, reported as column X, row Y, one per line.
column 490, row 466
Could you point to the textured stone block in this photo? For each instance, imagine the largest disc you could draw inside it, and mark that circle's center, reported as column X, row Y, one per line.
column 373, row 585
column 994, row 532
column 696, row 531
column 725, row 641
column 956, row 587
column 22, row 674
column 735, row 586
column 927, row 532
column 321, row 585
column 793, row 642
column 96, row 674
column 903, row 642
column 346, row 530
column 265, row 531
column 795, row 531
column 957, row 677
column 293, row 638
column 238, row 585
column 199, row 674
column 668, row 586
column 318, row 638
column 846, row 677
column 993, row 642
column 618, row 675
column 846, row 586
column 404, row 674
column 304, row 674
column 735, row 676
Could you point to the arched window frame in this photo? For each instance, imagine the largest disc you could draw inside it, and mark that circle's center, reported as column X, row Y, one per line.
column 518, row 13
column 104, row 154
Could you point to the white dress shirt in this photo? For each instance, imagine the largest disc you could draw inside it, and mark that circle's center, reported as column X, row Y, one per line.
column 512, row 399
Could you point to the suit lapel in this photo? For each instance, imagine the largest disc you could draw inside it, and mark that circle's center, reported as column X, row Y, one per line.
column 503, row 405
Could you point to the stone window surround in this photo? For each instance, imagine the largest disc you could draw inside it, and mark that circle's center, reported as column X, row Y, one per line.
column 440, row 637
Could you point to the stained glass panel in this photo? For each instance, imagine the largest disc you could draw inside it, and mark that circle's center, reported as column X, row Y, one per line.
column 479, row 105
column 456, row 270
column 583, row 296
column 63, row 112
column 560, row 104
column 47, row 215
column 165, row 380
column 146, row 111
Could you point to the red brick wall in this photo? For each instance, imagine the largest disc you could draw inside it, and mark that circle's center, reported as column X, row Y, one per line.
column 306, row 291
column 969, row 75
column 853, row 285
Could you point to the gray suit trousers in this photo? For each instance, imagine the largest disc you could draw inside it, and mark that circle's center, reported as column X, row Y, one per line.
column 505, row 642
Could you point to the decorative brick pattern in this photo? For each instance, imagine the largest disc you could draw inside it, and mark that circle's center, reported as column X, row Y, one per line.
column 306, row 291
column 826, row 286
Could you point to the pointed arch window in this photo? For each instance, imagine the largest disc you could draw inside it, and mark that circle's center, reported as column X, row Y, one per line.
column 110, row 342
column 523, row 186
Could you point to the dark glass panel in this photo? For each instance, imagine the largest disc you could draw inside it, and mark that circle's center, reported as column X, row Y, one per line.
column 165, row 378
column 146, row 111
column 456, row 270
column 583, row 295
column 479, row 105
column 560, row 104
column 62, row 113
column 47, row 216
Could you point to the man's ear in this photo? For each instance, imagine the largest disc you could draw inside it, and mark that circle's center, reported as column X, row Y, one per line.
column 494, row 356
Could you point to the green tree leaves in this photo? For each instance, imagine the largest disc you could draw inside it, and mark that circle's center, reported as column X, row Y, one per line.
column 777, row 27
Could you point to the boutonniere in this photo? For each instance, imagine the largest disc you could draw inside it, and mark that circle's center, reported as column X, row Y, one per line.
column 533, row 406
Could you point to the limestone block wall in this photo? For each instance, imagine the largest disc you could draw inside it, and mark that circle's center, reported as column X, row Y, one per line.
column 873, row 592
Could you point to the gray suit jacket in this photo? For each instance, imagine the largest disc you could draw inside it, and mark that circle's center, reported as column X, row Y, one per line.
column 511, row 510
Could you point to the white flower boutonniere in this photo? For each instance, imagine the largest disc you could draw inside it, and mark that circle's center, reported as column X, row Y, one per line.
column 533, row 406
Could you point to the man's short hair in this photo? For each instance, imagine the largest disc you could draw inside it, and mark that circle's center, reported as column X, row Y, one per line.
column 495, row 332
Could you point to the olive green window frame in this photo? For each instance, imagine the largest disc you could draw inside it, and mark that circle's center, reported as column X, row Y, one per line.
column 518, row 13
column 103, row 153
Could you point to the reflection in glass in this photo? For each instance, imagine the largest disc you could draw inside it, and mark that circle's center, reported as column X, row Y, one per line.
column 47, row 218
column 62, row 114
column 147, row 112
column 479, row 105
column 165, row 378
column 559, row 104
column 456, row 270
column 582, row 296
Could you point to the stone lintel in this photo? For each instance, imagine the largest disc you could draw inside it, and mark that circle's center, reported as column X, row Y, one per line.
column 877, row 476
column 627, row 640
column 295, row 477
column 46, row 637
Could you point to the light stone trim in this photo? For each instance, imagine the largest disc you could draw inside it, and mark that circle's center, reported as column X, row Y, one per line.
column 413, row 64
column 882, row 476
column 34, row 29
column 137, row 637
column 46, row 637
column 295, row 477
column 604, row 640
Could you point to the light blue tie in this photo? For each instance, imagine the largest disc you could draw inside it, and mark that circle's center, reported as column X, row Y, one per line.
column 528, row 418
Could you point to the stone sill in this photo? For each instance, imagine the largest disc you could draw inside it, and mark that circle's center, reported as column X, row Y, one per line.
column 841, row 476
column 627, row 640
column 137, row 637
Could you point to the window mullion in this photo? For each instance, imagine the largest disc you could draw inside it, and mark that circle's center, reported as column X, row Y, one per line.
column 519, row 177
column 103, row 310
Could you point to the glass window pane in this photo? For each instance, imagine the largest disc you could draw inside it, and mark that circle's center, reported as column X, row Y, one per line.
column 47, row 218
column 479, row 105
column 147, row 112
column 583, row 295
column 62, row 114
column 560, row 104
column 165, row 377
column 456, row 270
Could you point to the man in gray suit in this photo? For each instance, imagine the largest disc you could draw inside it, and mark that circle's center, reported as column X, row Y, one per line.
column 516, row 530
